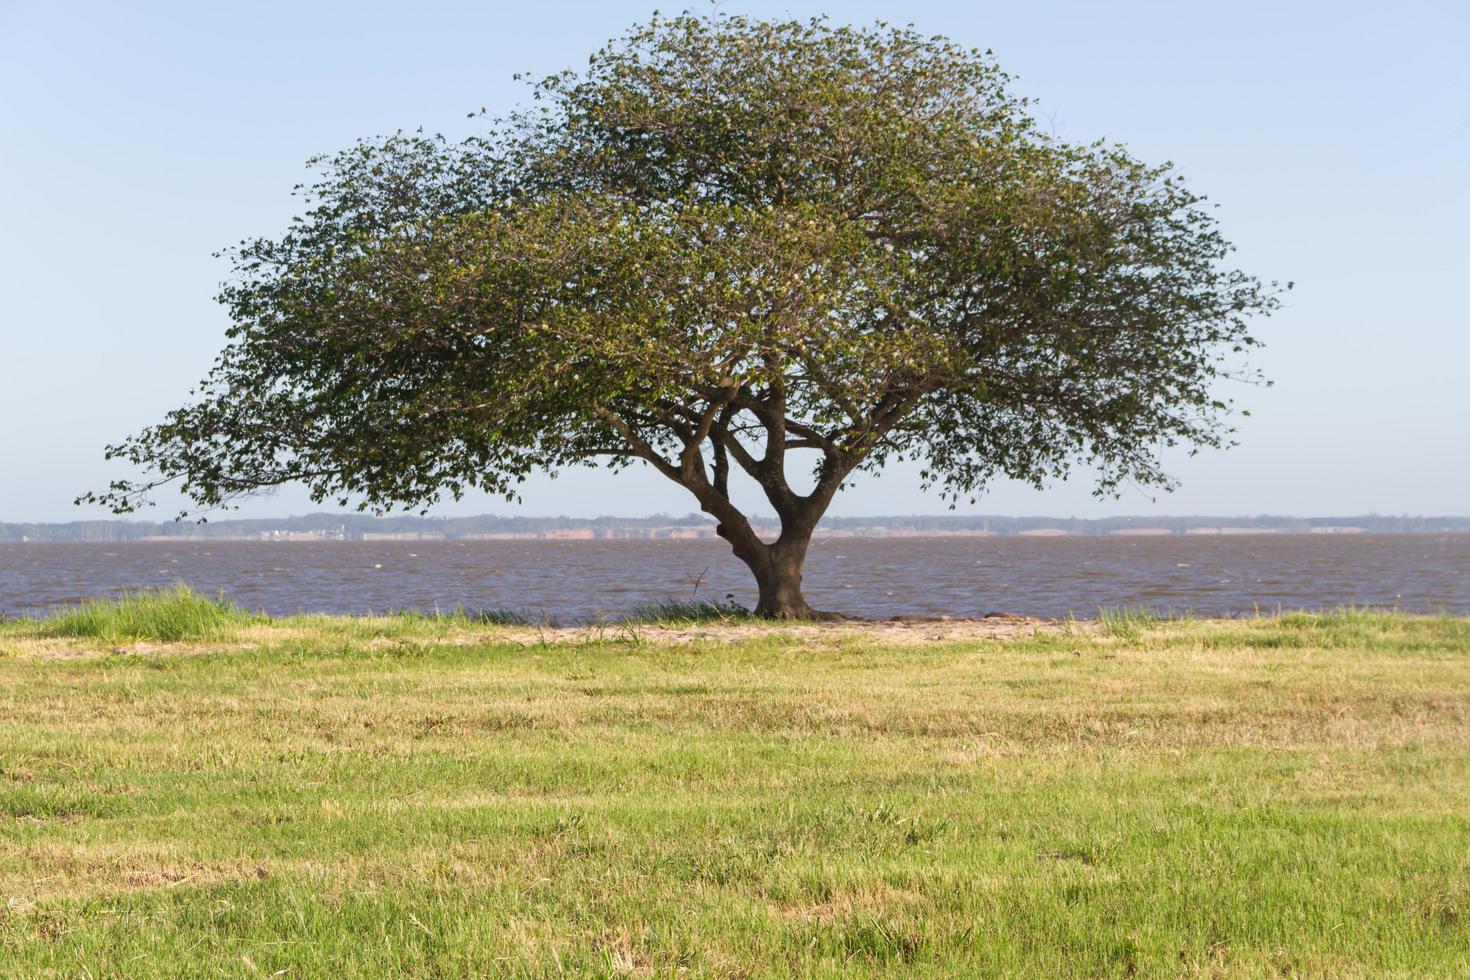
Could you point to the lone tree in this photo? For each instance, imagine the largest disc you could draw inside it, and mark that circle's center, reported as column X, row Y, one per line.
column 725, row 243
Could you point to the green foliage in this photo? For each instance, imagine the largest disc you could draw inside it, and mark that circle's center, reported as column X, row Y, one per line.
column 167, row 615
column 861, row 232
column 724, row 242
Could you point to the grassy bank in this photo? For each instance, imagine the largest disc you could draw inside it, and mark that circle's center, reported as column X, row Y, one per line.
column 423, row 795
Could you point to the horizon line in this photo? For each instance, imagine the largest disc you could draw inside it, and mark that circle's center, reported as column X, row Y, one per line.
column 704, row 518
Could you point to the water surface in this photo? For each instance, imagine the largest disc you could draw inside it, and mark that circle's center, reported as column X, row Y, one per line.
column 583, row 580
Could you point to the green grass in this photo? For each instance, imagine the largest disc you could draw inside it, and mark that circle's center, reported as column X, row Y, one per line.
column 1127, row 622
column 479, row 617
column 1283, row 795
column 690, row 611
column 169, row 615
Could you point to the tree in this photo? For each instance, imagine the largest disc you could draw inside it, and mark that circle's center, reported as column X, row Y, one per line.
column 727, row 243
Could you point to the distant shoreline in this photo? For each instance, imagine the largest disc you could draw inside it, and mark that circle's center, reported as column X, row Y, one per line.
column 707, row 534
column 490, row 527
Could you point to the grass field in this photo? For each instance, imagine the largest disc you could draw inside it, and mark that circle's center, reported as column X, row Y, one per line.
column 1286, row 795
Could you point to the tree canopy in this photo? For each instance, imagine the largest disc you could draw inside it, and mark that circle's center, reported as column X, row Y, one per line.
column 725, row 242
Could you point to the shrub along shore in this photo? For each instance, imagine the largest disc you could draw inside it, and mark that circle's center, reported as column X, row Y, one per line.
column 187, row 787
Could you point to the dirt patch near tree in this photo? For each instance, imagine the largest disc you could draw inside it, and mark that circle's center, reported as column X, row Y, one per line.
column 903, row 631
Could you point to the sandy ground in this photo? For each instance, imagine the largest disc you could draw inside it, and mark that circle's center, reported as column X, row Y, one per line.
column 904, row 631
column 911, row 631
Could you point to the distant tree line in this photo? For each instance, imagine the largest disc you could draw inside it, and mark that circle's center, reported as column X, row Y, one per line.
column 354, row 526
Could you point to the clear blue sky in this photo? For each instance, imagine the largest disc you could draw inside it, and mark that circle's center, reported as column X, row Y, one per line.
column 136, row 139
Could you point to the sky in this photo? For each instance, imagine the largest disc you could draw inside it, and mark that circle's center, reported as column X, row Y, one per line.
column 138, row 139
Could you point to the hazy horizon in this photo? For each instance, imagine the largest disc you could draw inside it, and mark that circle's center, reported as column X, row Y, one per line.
column 755, row 516
column 139, row 140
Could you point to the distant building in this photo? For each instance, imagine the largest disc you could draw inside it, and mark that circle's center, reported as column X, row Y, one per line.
column 692, row 532
column 294, row 536
column 403, row 536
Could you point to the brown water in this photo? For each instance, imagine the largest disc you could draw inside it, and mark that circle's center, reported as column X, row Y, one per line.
column 575, row 581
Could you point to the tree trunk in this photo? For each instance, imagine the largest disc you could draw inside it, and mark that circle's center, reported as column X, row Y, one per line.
column 777, row 571
column 776, row 566
column 779, row 581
